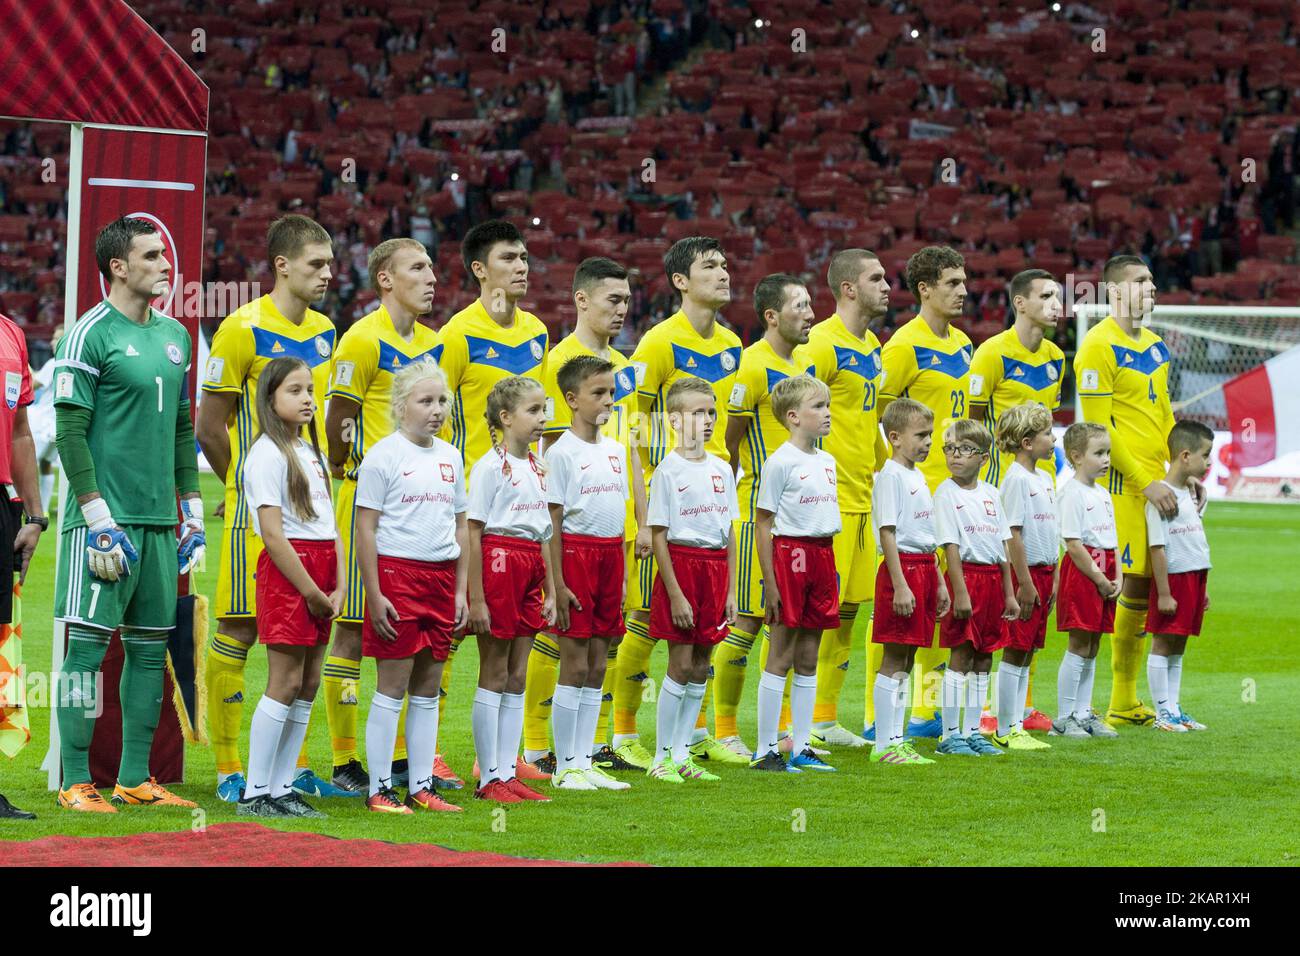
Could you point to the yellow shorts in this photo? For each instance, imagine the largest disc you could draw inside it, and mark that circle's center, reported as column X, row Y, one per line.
column 354, row 602
column 855, row 558
column 1131, row 529
column 749, row 573
column 236, row 595
column 640, row 581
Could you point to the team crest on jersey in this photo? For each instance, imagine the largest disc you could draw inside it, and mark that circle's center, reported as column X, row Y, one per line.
column 1051, row 372
column 616, row 464
column 989, row 510
column 624, row 382
column 1157, row 353
column 830, row 475
column 320, row 472
column 448, row 472
column 718, row 484
column 536, row 348
column 965, row 353
column 322, row 347
column 174, row 353
column 728, row 361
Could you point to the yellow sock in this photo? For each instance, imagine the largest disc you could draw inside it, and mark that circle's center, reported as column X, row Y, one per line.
column 875, row 657
column 833, row 667
column 1126, row 652
column 632, row 669
column 225, row 682
column 1029, row 692
column 603, row 723
column 702, row 721
column 399, row 745
column 927, row 680
column 444, row 687
column 539, row 688
column 340, row 681
column 731, row 659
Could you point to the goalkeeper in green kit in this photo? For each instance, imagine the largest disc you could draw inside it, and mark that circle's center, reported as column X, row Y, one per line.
column 126, row 444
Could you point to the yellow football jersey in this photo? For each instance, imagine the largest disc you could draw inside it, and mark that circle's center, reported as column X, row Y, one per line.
column 245, row 342
column 476, row 354
column 751, row 398
column 852, row 367
column 935, row 372
column 620, row 420
column 1004, row 373
column 672, row 350
column 1123, row 382
column 369, row 355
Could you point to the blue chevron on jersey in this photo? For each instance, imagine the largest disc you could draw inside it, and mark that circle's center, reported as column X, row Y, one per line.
column 1145, row 362
column 774, row 375
column 313, row 351
column 515, row 359
column 391, row 360
column 711, row 368
column 851, row 360
column 953, row 365
column 1037, row 377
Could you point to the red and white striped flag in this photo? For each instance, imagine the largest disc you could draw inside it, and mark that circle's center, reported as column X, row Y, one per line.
column 1264, row 410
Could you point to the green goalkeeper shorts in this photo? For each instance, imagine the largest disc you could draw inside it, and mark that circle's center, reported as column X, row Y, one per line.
column 145, row 599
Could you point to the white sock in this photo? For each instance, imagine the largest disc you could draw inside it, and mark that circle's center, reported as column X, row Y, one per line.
column 263, row 741
column 485, row 721
column 803, row 692
column 1083, row 706
column 286, row 755
column 621, row 739
column 770, row 689
column 1158, row 681
column 885, row 696
column 421, row 742
column 1022, row 697
column 564, row 726
column 977, row 686
column 510, row 730
column 670, row 702
column 1067, row 684
column 952, row 695
column 381, row 735
column 1175, row 682
column 687, row 732
column 902, row 708
column 532, row 756
column 585, row 728
column 1009, row 713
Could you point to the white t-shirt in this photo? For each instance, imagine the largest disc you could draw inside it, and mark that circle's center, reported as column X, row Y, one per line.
column 513, row 505
column 1086, row 513
column 1029, row 503
column 418, row 492
column 266, row 482
column 799, row 488
column 590, row 480
column 1182, row 536
column 901, row 500
column 695, row 500
column 972, row 519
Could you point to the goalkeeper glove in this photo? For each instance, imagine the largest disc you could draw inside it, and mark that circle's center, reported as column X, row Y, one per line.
column 193, row 542
column 109, row 552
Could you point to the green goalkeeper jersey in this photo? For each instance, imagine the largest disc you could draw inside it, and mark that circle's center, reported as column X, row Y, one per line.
column 133, row 379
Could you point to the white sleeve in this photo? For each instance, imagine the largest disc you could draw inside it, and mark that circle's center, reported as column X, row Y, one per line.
column 372, row 482
column 460, row 498
column 482, row 489
column 732, row 495
column 771, row 485
column 1015, row 498
column 558, row 473
column 659, row 511
column 946, row 525
column 886, row 500
column 1072, row 514
column 264, row 479
column 1157, row 528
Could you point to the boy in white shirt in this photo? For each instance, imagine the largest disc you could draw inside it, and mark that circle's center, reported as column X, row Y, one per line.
column 1029, row 503
column 797, row 518
column 587, row 490
column 692, row 505
column 1180, row 567
column 973, row 532
column 910, row 593
column 1090, row 579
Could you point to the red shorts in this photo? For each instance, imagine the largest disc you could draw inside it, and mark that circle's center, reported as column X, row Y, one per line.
column 985, row 629
column 1079, row 607
column 424, row 595
column 810, row 589
column 1188, row 589
column 513, row 575
column 918, row 630
column 282, row 615
column 703, row 577
column 594, row 572
column 1030, row 635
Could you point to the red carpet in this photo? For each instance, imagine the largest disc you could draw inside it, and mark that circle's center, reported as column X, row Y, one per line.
column 251, row 844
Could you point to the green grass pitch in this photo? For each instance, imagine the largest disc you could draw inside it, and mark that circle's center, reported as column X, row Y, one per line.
column 1224, row 797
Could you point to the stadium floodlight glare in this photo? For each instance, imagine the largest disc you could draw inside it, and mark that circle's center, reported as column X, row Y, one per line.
column 915, row 33
column 758, row 24
column 455, row 176
column 1056, row 8
column 537, row 221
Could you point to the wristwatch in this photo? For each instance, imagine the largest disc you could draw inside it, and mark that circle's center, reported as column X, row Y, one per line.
column 43, row 523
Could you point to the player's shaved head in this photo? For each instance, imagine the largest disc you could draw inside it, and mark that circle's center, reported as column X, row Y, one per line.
column 1116, row 266
column 114, row 242
column 597, row 269
column 1188, row 435
column 381, row 257
column 845, row 266
column 1023, row 282
column 290, row 235
column 478, row 242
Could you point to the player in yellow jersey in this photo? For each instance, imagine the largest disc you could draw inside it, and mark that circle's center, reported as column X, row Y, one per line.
column 846, row 355
column 1016, row 366
column 1122, row 372
column 784, row 311
column 601, row 296
column 689, row 343
column 280, row 323
column 928, row 360
column 370, row 353
column 488, row 340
